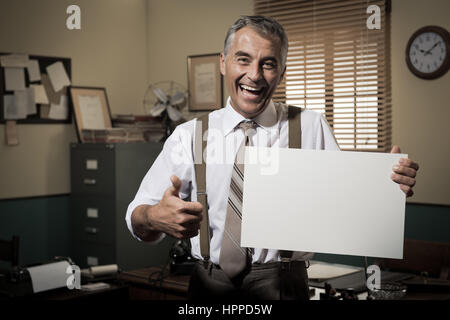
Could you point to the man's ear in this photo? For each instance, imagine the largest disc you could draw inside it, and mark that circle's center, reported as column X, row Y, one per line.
column 222, row 63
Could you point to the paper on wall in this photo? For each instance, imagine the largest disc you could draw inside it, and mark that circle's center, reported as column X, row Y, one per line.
column 31, row 104
column 34, row 74
column 59, row 111
column 21, row 102
column 19, row 105
column 53, row 97
column 12, row 138
column 58, row 76
column 44, row 111
column 14, row 106
column 16, row 60
column 40, row 95
column 323, row 201
column 14, row 79
column 9, row 106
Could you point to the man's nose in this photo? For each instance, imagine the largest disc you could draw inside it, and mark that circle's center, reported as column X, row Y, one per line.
column 255, row 72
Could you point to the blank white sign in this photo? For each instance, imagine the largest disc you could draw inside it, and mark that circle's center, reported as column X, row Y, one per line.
column 323, row 201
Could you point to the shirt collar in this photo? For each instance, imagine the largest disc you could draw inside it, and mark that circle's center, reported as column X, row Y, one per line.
column 267, row 120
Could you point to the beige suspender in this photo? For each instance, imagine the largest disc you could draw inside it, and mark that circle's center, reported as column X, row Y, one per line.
column 295, row 127
column 200, row 177
column 295, row 141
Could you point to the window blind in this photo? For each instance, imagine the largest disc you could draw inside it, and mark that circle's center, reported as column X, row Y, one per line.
column 338, row 66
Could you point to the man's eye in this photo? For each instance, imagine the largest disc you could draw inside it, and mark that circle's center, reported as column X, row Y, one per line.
column 269, row 65
column 243, row 60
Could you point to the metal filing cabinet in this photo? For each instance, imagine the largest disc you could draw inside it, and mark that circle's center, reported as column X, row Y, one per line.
column 104, row 180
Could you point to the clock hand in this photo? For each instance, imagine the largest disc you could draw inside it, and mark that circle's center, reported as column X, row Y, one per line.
column 429, row 51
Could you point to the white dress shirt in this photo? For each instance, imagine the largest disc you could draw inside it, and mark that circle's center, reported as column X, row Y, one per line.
column 223, row 141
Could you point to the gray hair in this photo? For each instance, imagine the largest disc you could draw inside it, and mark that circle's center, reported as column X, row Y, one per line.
column 265, row 26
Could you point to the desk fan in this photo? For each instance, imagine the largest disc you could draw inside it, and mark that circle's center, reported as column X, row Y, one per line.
column 166, row 99
column 168, row 96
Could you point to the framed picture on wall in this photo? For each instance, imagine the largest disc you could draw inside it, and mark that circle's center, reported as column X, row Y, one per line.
column 91, row 110
column 205, row 82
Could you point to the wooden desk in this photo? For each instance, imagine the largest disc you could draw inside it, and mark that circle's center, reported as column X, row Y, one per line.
column 171, row 287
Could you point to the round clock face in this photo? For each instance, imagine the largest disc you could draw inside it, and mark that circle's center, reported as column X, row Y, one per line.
column 428, row 53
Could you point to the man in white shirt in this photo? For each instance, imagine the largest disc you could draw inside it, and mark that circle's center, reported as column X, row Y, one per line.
column 253, row 64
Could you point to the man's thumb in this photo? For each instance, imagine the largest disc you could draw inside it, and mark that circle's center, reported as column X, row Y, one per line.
column 176, row 185
column 395, row 149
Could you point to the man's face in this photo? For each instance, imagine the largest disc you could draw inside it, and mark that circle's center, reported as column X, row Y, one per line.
column 252, row 70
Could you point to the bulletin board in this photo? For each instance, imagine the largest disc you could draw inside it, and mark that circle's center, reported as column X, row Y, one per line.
column 44, row 62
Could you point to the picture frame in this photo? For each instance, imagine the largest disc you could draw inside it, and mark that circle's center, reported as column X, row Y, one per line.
column 205, row 82
column 90, row 109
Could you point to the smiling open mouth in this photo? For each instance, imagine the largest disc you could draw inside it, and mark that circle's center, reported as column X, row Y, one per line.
column 251, row 90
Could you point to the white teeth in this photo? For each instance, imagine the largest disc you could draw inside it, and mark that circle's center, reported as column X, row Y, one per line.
column 249, row 88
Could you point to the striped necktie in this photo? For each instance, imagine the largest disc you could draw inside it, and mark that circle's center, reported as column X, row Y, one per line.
column 233, row 258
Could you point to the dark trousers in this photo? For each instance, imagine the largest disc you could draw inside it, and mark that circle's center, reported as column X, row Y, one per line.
column 272, row 281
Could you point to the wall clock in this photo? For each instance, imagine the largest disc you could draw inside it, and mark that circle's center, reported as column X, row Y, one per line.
column 428, row 52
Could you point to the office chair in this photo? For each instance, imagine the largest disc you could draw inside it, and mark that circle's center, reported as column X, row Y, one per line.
column 9, row 251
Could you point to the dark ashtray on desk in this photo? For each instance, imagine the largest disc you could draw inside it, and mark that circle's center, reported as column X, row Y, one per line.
column 389, row 291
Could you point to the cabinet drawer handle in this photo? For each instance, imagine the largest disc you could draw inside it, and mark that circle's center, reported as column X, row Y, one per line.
column 89, row 181
column 91, row 230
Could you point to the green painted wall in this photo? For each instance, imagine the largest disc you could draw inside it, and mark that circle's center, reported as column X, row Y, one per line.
column 42, row 224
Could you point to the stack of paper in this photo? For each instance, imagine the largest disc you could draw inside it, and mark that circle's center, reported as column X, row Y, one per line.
column 322, row 271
